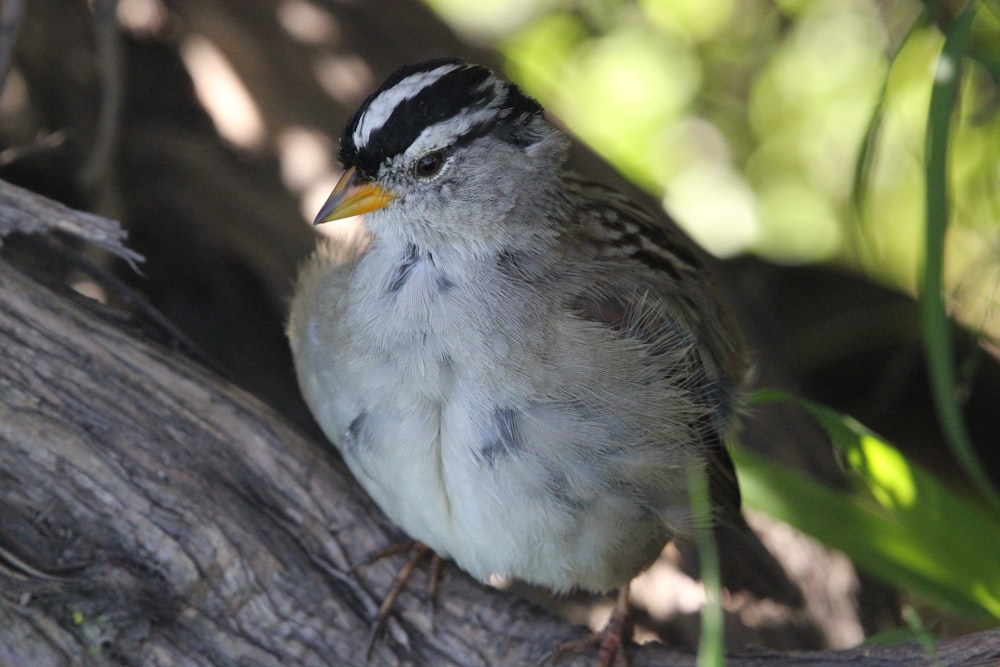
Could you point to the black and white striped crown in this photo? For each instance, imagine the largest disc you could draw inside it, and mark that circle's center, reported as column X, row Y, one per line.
column 446, row 96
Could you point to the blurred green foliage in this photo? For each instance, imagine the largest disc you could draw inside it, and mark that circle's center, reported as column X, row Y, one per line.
column 750, row 117
column 800, row 130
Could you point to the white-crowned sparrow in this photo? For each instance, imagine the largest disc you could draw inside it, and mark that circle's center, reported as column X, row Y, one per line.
column 520, row 367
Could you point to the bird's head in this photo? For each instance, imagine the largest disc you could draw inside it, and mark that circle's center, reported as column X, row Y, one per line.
column 445, row 152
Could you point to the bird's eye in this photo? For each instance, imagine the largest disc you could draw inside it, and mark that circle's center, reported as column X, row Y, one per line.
column 429, row 164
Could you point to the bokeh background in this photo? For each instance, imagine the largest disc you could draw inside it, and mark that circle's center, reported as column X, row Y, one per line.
column 787, row 137
column 752, row 120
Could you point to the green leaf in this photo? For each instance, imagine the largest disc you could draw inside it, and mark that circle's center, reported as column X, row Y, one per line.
column 711, row 643
column 934, row 316
column 899, row 523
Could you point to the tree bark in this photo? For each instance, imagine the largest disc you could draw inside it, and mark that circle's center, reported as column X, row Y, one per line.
column 152, row 511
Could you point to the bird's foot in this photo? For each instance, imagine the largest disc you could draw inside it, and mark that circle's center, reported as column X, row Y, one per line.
column 416, row 551
column 611, row 641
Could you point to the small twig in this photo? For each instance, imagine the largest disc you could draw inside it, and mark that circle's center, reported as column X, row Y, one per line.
column 26, row 212
column 417, row 553
column 109, row 67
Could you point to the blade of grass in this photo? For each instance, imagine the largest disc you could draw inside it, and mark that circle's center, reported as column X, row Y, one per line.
column 934, row 316
column 711, row 644
column 876, row 542
column 865, row 160
column 902, row 524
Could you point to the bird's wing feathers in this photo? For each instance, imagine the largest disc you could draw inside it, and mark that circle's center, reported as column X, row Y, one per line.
column 694, row 402
column 685, row 360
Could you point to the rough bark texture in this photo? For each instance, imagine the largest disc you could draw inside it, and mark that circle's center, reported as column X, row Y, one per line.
column 155, row 514
column 152, row 511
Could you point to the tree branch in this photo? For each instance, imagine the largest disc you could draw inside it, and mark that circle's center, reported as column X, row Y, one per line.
column 155, row 514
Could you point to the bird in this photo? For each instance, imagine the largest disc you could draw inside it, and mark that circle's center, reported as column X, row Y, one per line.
column 521, row 367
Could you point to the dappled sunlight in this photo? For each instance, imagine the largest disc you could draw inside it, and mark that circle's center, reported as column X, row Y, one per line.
column 90, row 289
column 716, row 206
column 664, row 591
column 223, row 94
column 790, row 89
column 699, row 20
column 809, row 111
column 491, row 19
column 888, row 472
column 598, row 614
column 797, row 218
column 306, row 156
column 347, row 79
column 642, row 82
column 816, row 568
column 307, row 22
column 14, row 98
column 897, row 520
column 141, row 17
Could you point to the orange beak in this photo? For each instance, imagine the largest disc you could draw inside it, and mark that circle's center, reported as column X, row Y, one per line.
column 352, row 196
